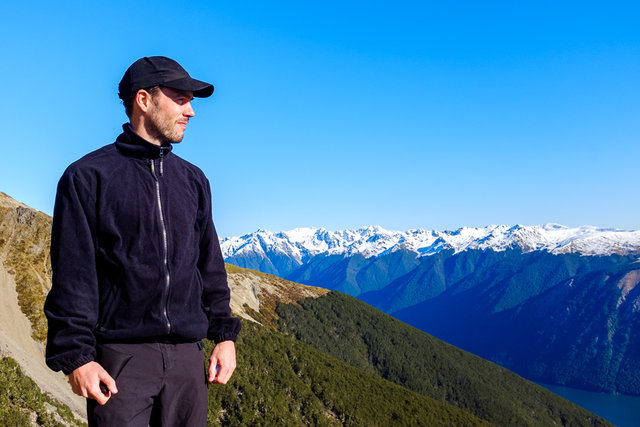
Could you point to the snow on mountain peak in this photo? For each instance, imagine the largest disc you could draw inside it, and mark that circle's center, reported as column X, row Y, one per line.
column 303, row 243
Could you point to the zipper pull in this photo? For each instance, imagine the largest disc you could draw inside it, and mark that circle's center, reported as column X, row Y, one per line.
column 161, row 162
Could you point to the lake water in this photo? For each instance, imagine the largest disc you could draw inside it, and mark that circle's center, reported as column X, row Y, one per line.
column 623, row 411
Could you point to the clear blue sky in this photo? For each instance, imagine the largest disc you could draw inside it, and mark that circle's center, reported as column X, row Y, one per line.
column 341, row 114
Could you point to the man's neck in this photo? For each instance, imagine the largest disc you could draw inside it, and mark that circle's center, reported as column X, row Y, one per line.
column 137, row 125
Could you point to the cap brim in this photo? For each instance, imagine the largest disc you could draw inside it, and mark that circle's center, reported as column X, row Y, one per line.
column 199, row 88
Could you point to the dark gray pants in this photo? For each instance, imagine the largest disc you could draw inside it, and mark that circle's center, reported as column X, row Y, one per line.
column 160, row 385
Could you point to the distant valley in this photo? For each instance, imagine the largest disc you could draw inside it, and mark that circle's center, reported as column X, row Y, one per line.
column 557, row 305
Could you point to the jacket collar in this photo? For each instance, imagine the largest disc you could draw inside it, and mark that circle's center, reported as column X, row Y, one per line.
column 133, row 145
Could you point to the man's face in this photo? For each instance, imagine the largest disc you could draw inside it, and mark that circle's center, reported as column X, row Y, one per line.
column 169, row 113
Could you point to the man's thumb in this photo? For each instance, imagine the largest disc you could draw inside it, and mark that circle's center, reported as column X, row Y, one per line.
column 108, row 381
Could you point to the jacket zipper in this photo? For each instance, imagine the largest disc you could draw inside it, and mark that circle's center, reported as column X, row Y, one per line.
column 165, row 260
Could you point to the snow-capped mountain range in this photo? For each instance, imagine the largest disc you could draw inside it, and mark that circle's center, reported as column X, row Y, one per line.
column 373, row 241
column 556, row 304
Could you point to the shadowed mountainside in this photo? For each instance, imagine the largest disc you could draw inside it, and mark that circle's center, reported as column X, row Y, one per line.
column 556, row 305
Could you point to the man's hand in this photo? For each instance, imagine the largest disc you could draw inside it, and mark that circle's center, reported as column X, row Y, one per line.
column 85, row 382
column 222, row 362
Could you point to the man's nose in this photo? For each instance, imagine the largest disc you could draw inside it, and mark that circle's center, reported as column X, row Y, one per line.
column 188, row 112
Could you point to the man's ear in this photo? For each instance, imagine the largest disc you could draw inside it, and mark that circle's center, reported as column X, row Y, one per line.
column 143, row 100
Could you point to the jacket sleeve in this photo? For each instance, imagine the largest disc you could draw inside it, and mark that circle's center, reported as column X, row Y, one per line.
column 216, row 293
column 71, row 306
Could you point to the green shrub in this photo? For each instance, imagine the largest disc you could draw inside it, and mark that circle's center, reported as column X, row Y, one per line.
column 20, row 398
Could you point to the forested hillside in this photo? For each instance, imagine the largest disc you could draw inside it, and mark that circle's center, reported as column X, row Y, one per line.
column 364, row 337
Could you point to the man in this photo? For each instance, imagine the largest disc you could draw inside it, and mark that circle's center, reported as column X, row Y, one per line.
column 138, row 275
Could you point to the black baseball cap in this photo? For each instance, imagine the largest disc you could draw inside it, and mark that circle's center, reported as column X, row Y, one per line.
column 160, row 71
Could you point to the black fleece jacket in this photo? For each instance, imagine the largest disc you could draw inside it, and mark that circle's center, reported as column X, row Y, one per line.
column 134, row 253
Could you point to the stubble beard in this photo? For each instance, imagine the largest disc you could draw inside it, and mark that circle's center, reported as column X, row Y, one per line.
column 163, row 128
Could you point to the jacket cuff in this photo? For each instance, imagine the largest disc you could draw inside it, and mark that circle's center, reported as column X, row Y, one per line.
column 228, row 333
column 68, row 368
column 226, row 337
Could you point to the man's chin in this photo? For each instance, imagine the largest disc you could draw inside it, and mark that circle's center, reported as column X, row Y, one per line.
column 176, row 138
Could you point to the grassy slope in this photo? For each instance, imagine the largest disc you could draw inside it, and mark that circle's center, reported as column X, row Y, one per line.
column 374, row 342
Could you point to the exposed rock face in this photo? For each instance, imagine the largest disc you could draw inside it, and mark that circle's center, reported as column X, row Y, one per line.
column 254, row 295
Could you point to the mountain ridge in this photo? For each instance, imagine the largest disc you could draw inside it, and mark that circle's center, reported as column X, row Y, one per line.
column 300, row 244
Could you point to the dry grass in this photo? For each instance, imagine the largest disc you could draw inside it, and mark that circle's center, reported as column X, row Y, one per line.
column 271, row 290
